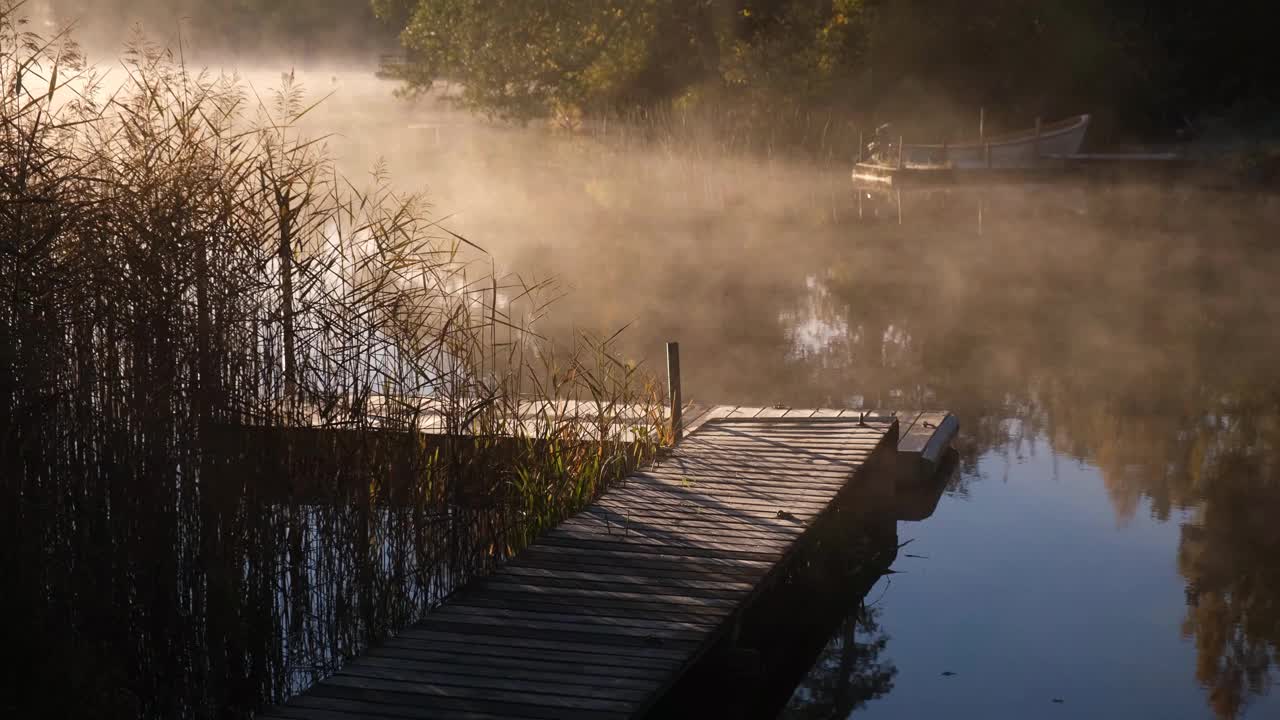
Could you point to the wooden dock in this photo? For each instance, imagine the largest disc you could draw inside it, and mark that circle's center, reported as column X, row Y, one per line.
column 603, row 614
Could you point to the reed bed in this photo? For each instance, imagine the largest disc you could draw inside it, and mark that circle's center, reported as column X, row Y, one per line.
column 254, row 415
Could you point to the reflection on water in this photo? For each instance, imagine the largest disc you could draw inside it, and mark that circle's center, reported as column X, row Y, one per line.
column 1112, row 355
column 1138, row 350
column 850, row 672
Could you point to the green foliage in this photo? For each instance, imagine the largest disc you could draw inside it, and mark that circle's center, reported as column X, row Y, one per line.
column 522, row 60
column 1141, row 67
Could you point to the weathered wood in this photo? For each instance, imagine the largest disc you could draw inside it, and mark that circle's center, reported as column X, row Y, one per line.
column 673, row 384
column 604, row 612
column 483, row 646
column 378, row 665
column 513, row 662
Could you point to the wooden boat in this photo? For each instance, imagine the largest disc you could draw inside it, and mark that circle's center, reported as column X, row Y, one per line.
column 1023, row 149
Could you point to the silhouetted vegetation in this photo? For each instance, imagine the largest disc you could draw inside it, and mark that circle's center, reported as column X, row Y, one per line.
column 1148, row 68
column 252, row 417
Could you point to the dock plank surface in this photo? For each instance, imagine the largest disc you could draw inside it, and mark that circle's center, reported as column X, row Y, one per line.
column 602, row 614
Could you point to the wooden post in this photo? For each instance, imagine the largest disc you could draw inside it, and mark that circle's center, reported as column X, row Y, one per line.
column 1036, row 159
column 901, row 149
column 673, row 385
column 982, row 125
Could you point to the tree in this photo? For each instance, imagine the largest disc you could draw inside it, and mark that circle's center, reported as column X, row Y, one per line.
column 521, row 60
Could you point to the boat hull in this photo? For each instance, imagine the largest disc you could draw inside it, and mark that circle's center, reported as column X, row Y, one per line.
column 1024, row 150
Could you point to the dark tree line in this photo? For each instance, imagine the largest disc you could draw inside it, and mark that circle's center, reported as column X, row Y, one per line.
column 1143, row 67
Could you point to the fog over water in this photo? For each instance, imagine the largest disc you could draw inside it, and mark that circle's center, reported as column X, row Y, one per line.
column 1109, row 540
column 1109, row 545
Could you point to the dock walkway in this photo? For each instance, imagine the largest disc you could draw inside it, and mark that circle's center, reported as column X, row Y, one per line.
column 601, row 615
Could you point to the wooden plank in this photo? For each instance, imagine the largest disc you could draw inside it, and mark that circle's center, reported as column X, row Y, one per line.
column 586, row 594
column 729, row 496
column 693, row 415
column 385, row 698
column 730, row 443
column 666, row 496
column 513, row 662
column 788, row 525
column 324, row 708
column 782, row 486
column 485, row 647
column 703, row 499
column 699, row 524
column 620, row 555
column 906, row 421
column 716, row 438
column 799, row 516
column 448, row 677
column 667, row 577
column 918, row 434
column 945, row 431
column 709, row 529
column 659, row 538
column 755, row 467
column 652, row 603
column 735, row 465
column 780, row 512
column 712, row 414
column 639, row 564
column 621, row 639
column 364, row 709
column 516, row 637
column 627, row 578
column 378, row 663
column 552, row 613
column 724, row 469
column 421, row 690
column 785, row 455
column 715, row 431
column 677, row 626
column 657, row 588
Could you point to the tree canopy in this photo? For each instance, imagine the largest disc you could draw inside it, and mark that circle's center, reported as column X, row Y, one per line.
column 1142, row 66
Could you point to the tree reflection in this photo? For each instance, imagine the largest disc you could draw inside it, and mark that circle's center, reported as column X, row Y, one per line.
column 1228, row 556
column 849, row 673
column 1151, row 359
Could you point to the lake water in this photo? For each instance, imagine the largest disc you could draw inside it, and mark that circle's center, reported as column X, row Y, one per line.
column 1110, row 545
column 1112, row 549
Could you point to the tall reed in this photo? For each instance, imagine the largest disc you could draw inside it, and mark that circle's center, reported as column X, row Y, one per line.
column 252, row 415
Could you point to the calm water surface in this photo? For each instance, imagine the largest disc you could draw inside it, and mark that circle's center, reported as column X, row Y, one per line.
column 1110, row 545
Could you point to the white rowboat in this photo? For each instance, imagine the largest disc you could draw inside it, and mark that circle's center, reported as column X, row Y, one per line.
column 1022, row 149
